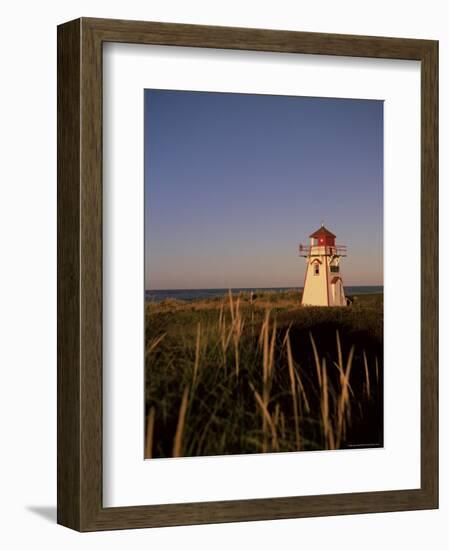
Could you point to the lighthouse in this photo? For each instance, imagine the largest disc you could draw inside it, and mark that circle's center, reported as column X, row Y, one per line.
column 323, row 285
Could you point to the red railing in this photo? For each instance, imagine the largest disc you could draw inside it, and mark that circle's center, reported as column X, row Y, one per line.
column 336, row 250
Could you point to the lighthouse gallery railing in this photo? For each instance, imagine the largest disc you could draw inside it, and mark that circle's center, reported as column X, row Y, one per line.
column 336, row 250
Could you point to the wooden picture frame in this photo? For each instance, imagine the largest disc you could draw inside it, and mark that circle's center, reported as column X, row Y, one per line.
column 80, row 504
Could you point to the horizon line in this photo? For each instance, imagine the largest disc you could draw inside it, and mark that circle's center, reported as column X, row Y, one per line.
column 245, row 287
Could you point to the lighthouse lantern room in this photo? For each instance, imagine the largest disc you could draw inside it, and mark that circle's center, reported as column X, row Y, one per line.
column 323, row 285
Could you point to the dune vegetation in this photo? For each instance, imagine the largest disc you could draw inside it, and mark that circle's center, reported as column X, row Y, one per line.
column 257, row 373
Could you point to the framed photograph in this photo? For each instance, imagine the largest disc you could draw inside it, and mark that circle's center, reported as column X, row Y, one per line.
column 247, row 274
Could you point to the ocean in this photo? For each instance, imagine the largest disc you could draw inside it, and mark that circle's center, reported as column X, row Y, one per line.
column 189, row 295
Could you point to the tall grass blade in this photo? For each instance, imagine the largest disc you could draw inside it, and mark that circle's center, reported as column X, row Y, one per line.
column 328, row 431
column 150, row 434
column 291, row 372
column 302, row 391
column 177, row 443
column 231, row 305
column 268, row 418
column 367, row 380
column 154, row 344
column 317, row 359
column 197, row 353
column 343, row 403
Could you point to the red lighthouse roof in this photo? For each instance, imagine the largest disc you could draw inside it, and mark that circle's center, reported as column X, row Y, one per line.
column 322, row 232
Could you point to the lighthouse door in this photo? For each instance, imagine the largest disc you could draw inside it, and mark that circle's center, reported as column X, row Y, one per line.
column 337, row 291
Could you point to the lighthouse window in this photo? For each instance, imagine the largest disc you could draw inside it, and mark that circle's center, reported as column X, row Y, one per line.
column 335, row 269
column 316, row 269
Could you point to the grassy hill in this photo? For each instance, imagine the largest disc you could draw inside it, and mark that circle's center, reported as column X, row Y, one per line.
column 258, row 373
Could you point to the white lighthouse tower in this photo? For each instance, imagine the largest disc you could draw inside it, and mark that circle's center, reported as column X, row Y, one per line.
column 323, row 285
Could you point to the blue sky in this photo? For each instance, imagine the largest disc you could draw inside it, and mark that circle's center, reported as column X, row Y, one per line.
column 234, row 182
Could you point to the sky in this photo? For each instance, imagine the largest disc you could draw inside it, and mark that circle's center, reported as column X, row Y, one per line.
column 234, row 182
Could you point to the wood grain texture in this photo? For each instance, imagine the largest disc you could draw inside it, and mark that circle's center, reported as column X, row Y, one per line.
column 69, row 408
column 80, row 274
column 429, row 271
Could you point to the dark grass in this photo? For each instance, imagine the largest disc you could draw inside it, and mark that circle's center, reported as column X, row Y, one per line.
column 223, row 416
